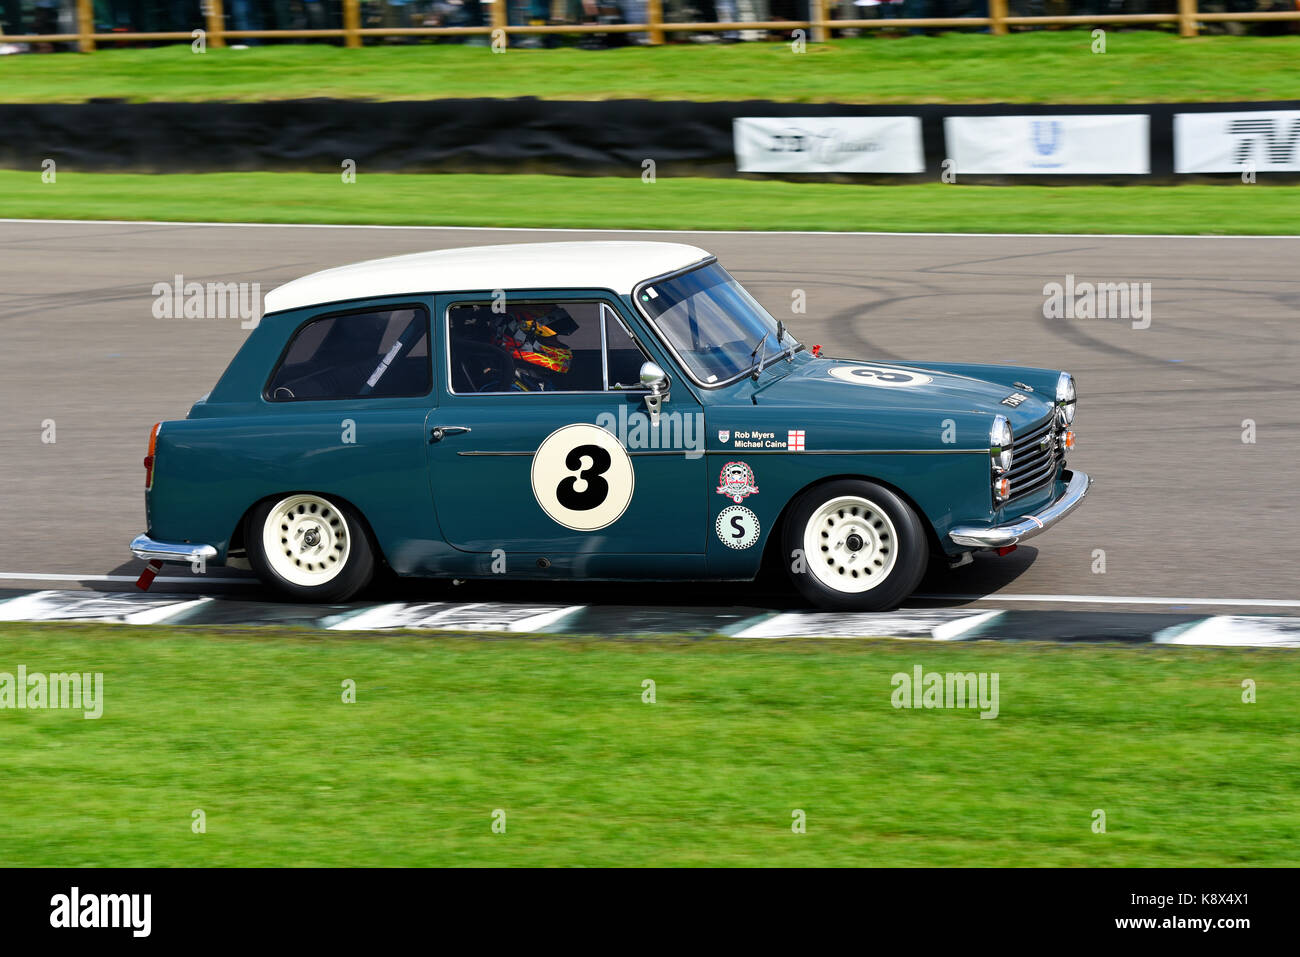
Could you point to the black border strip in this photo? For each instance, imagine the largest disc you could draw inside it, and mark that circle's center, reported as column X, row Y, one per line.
column 525, row 135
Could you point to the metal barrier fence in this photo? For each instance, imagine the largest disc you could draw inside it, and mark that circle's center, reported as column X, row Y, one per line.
column 1186, row 16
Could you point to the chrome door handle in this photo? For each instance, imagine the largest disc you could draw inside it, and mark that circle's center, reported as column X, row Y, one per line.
column 439, row 433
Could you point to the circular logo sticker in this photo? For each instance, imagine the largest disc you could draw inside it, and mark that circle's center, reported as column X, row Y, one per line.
column 736, row 481
column 582, row 477
column 879, row 375
column 737, row 526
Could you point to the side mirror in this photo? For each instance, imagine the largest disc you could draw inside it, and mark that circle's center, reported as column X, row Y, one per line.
column 653, row 377
column 656, row 380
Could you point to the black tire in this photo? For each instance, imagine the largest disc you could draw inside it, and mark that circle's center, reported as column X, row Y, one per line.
column 357, row 569
column 906, row 540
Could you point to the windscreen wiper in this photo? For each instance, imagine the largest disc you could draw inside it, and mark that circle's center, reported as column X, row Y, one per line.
column 756, row 367
column 788, row 352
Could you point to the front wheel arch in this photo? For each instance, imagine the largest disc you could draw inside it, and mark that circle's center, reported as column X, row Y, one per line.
column 873, row 540
column 773, row 561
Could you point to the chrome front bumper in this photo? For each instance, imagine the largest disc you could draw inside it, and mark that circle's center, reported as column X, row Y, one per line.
column 1000, row 536
column 142, row 546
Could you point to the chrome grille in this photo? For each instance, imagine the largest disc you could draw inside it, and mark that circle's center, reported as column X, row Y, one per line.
column 1032, row 464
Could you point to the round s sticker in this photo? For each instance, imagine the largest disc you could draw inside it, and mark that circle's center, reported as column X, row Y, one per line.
column 582, row 477
column 879, row 376
column 737, row 526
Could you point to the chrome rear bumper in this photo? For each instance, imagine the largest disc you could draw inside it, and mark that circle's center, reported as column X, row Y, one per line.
column 1000, row 536
column 142, row 546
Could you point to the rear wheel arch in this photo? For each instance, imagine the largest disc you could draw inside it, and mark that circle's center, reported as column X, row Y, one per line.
column 310, row 546
column 239, row 537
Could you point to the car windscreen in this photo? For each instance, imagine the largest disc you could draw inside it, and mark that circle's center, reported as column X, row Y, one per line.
column 712, row 323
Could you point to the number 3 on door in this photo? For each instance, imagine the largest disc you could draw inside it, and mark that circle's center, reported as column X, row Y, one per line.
column 582, row 477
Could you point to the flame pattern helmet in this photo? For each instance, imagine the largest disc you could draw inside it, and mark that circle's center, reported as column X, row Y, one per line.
column 531, row 333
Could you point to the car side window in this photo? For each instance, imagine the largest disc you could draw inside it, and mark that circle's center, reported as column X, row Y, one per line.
column 376, row 354
column 538, row 346
column 624, row 356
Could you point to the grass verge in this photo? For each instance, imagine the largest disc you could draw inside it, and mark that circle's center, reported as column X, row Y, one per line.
column 1042, row 66
column 249, row 727
column 670, row 203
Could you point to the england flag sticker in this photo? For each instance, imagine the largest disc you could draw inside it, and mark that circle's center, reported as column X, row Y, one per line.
column 794, row 440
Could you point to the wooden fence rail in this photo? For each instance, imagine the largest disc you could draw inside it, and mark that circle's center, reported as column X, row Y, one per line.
column 1187, row 19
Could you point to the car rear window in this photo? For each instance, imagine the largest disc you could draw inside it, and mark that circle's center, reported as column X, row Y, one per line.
column 371, row 354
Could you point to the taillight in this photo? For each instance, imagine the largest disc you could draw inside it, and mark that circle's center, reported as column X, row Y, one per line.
column 149, row 458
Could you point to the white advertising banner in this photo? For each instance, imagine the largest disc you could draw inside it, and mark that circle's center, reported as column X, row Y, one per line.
column 1260, row 140
column 1097, row 143
column 828, row 144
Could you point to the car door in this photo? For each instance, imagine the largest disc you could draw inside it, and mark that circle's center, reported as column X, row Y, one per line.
column 542, row 442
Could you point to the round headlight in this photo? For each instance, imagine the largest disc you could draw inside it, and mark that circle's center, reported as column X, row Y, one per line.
column 1000, row 440
column 1065, row 397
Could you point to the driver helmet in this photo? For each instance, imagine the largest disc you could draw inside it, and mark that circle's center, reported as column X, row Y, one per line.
column 532, row 335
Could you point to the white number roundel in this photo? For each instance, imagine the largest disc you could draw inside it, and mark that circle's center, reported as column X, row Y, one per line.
column 582, row 477
column 879, row 376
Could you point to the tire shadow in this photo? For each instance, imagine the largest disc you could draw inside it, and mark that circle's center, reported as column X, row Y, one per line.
column 985, row 575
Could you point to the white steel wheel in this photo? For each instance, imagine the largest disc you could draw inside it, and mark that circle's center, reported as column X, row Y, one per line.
column 305, row 540
column 854, row 545
column 851, row 544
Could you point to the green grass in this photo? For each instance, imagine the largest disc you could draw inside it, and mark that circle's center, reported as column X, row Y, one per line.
column 249, row 727
column 671, row 203
column 1039, row 66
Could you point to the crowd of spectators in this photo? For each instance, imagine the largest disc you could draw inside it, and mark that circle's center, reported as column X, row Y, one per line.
column 182, row 16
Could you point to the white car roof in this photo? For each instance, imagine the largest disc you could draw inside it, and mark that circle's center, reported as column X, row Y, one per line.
column 574, row 265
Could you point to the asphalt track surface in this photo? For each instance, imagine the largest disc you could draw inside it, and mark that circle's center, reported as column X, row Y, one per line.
column 1182, row 508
